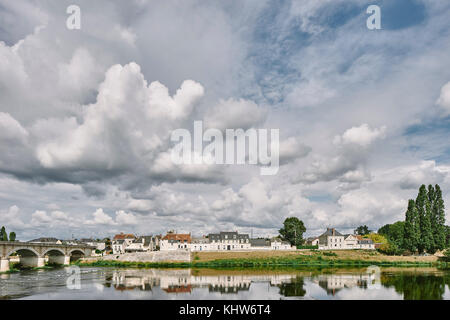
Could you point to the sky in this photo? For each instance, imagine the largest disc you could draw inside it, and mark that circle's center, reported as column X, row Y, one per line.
column 86, row 115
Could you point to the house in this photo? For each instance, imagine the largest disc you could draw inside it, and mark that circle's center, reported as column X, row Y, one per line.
column 201, row 244
column 270, row 244
column 277, row 244
column 331, row 239
column 233, row 241
column 226, row 241
column 143, row 244
column 312, row 241
column 364, row 243
column 334, row 240
column 175, row 241
column 121, row 242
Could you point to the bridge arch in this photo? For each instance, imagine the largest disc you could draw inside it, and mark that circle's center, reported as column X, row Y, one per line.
column 28, row 257
column 26, row 252
column 76, row 254
column 54, row 252
column 79, row 252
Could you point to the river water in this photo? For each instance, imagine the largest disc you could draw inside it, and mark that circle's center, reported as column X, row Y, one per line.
column 113, row 283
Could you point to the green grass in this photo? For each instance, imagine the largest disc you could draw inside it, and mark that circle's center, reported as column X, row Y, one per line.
column 301, row 261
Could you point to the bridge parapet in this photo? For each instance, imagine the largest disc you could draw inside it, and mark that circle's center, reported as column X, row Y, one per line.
column 33, row 254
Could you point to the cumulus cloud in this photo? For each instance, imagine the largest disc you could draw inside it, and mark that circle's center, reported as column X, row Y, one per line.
column 425, row 173
column 100, row 218
column 11, row 129
column 11, row 218
column 349, row 166
column 292, row 148
column 362, row 135
column 235, row 114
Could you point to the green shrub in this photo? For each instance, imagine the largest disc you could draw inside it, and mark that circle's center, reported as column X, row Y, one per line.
column 330, row 254
column 308, row 247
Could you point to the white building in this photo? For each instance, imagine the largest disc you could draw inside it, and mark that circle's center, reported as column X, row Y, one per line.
column 334, row 240
column 143, row 244
column 121, row 242
column 175, row 241
column 228, row 241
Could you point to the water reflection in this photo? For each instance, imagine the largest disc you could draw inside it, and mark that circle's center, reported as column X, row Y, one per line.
column 110, row 283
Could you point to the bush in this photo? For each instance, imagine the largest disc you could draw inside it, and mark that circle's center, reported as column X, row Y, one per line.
column 390, row 249
column 308, row 247
column 330, row 254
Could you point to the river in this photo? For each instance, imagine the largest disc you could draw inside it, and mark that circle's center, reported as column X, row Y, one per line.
column 198, row 284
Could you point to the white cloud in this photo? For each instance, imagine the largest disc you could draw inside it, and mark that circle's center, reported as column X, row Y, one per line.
column 100, row 218
column 412, row 177
column 235, row 114
column 11, row 129
column 362, row 135
column 124, row 218
column 39, row 218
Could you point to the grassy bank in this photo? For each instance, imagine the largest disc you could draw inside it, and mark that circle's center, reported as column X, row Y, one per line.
column 292, row 259
column 16, row 267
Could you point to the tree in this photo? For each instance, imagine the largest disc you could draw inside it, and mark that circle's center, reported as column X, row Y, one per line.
column 412, row 228
column 376, row 238
column 3, row 234
column 12, row 236
column 362, row 230
column 438, row 220
column 424, row 211
column 292, row 231
column 447, row 231
column 394, row 232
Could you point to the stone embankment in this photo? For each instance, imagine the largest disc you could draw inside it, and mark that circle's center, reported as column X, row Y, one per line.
column 154, row 256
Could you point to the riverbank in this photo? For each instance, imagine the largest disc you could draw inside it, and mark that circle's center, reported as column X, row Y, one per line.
column 306, row 258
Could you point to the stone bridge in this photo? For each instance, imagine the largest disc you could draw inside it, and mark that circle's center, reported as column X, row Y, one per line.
column 34, row 254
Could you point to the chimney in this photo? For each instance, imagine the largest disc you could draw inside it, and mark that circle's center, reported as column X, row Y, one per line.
column 333, row 231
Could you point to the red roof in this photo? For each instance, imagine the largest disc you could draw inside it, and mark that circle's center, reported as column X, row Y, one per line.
column 123, row 236
column 178, row 237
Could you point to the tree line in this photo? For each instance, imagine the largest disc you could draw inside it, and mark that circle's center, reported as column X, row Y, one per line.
column 4, row 235
column 424, row 228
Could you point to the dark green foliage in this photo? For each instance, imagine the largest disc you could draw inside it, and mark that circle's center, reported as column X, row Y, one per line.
column 394, row 232
column 412, row 228
column 390, row 249
column 12, row 236
column 447, row 232
column 424, row 210
column 330, row 254
column 308, row 247
column 424, row 228
column 294, row 288
column 362, row 230
column 292, row 231
column 417, row 286
column 438, row 221
column 3, row 234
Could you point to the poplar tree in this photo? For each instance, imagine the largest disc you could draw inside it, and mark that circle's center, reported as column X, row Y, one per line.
column 438, row 223
column 412, row 228
column 424, row 211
